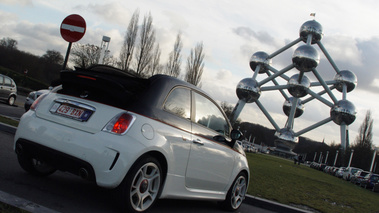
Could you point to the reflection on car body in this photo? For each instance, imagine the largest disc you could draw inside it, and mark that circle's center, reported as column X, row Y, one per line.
column 149, row 138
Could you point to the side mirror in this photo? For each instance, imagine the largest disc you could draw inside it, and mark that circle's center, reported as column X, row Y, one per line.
column 235, row 134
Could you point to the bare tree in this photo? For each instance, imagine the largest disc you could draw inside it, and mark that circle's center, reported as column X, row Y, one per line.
column 127, row 48
column 155, row 67
column 145, row 45
column 53, row 57
column 8, row 43
column 364, row 139
column 363, row 144
column 195, row 65
column 85, row 55
column 175, row 58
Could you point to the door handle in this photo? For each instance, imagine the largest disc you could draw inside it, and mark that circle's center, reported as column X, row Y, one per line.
column 198, row 141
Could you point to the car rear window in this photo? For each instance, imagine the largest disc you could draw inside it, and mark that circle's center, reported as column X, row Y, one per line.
column 111, row 88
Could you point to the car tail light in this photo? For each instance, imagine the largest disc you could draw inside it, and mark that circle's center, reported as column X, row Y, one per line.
column 120, row 124
column 37, row 101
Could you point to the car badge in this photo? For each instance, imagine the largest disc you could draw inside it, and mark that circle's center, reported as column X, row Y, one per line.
column 84, row 94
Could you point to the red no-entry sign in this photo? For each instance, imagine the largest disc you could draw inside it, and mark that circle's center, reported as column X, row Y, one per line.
column 73, row 28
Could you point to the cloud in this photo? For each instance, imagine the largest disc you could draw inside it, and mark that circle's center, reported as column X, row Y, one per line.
column 17, row 2
column 110, row 13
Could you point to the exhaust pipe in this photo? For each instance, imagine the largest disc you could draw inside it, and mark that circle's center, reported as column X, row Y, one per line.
column 19, row 149
column 83, row 173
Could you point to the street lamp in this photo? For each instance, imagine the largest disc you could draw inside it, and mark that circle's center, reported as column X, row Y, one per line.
column 351, row 157
column 335, row 159
column 373, row 159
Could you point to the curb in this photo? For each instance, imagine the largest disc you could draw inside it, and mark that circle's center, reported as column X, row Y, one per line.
column 8, row 128
column 271, row 205
column 32, row 207
column 23, row 204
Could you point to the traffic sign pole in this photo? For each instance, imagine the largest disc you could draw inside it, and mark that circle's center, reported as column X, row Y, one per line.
column 67, row 54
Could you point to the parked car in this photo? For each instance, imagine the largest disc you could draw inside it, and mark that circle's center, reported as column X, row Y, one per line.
column 150, row 138
column 339, row 172
column 369, row 180
column 348, row 172
column 8, row 89
column 358, row 176
column 32, row 96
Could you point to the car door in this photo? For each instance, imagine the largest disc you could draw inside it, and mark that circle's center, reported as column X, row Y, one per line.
column 8, row 87
column 210, row 163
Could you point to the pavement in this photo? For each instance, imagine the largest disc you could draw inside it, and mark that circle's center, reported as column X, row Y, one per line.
column 33, row 207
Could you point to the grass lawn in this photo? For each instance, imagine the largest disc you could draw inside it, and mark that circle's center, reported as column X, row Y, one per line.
column 282, row 181
column 8, row 121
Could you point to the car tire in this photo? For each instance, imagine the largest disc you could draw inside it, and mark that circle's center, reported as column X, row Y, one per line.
column 142, row 185
column 11, row 100
column 34, row 166
column 236, row 193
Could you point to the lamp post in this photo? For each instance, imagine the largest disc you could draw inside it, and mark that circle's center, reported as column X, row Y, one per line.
column 335, row 159
column 351, row 157
column 326, row 158
column 373, row 159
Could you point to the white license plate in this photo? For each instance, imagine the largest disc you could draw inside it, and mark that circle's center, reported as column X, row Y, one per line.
column 71, row 111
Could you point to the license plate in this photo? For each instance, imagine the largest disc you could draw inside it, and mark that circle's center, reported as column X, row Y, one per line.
column 71, row 111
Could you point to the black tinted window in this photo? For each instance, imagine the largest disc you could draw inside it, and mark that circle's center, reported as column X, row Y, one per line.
column 179, row 103
column 209, row 115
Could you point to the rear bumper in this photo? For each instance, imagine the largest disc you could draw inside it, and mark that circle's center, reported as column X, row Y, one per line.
column 106, row 158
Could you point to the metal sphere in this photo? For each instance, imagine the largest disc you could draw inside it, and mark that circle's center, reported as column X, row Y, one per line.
column 298, row 89
column 345, row 77
column 287, row 105
column 248, row 90
column 286, row 134
column 343, row 112
column 311, row 27
column 305, row 58
column 259, row 58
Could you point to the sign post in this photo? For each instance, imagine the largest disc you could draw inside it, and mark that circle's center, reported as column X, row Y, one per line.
column 72, row 29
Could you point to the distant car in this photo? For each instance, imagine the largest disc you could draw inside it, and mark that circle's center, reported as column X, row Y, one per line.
column 369, row 180
column 32, row 97
column 358, row 176
column 339, row 172
column 149, row 138
column 348, row 172
column 8, row 89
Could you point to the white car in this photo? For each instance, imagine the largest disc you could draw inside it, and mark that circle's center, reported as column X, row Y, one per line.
column 349, row 172
column 148, row 138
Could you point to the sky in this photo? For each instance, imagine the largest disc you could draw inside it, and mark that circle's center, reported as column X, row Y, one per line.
column 231, row 31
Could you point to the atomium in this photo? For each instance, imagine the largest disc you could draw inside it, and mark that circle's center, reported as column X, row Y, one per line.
column 259, row 59
column 305, row 59
column 343, row 112
column 287, row 106
column 311, row 28
column 298, row 88
column 248, row 90
column 345, row 77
